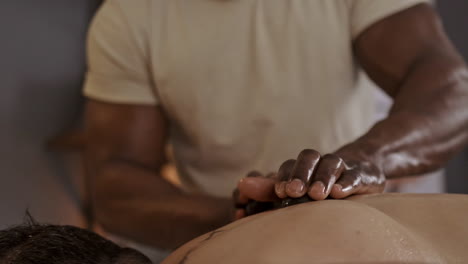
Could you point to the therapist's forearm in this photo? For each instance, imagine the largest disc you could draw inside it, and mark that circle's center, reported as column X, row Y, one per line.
column 136, row 203
column 426, row 126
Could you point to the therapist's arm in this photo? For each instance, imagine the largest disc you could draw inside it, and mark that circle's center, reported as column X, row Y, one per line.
column 410, row 57
column 125, row 153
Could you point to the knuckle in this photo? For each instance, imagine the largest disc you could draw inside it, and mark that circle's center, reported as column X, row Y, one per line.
column 287, row 164
column 286, row 169
column 309, row 154
column 332, row 158
column 329, row 171
column 354, row 178
column 330, row 165
column 353, row 173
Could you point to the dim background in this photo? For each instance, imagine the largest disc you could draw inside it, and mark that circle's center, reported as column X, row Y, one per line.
column 41, row 72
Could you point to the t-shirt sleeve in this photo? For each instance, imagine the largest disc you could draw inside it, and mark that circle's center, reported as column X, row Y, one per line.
column 364, row 13
column 117, row 56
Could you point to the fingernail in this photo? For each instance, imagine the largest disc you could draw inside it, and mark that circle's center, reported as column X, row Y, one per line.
column 295, row 188
column 280, row 189
column 318, row 187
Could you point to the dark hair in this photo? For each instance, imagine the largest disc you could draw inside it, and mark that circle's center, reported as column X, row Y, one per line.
column 33, row 243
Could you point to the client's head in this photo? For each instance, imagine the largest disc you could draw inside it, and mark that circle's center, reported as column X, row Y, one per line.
column 35, row 243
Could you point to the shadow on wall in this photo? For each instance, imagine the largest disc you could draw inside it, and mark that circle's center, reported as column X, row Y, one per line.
column 41, row 71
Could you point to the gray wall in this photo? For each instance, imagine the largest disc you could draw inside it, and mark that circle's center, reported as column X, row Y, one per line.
column 454, row 15
column 41, row 69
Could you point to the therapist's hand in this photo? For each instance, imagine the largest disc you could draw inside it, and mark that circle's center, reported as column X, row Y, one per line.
column 335, row 176
column 254, row 194
column 320, row 177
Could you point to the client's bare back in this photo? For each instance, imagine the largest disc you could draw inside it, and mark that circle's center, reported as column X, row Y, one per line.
column 385, row 228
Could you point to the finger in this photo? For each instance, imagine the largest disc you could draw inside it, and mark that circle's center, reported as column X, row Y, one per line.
column 302, row 173
column 238, row 201
column 328, row 172
column 284, row 174
column 239, row 198
column 349, row 183
column 258, row 188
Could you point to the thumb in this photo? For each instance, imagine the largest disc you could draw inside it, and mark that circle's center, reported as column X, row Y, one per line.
column 260, row 189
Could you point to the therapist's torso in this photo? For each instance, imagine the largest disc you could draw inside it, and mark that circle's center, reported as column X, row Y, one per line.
column 249, row 84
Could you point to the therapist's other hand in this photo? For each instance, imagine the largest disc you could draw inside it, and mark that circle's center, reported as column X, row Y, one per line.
column 255, row 194
column 330, row 176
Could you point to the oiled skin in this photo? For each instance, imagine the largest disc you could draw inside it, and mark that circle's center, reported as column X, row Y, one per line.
column 409, row 56
column 380, row 228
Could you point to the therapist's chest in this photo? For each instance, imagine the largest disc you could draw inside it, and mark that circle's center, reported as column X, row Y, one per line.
column 221, row 66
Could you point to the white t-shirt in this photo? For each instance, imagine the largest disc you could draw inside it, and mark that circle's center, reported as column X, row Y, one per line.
column 246, row 84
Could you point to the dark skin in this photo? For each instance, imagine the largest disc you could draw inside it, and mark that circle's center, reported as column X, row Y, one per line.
column 125, row 152
column 428, row 123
